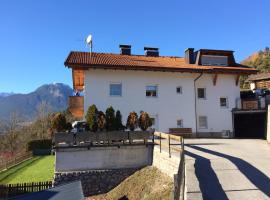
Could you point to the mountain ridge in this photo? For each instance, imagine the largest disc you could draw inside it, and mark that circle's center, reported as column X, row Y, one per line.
column 26, row 105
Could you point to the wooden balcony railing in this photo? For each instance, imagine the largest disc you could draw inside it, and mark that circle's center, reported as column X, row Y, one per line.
column 76, row 106
column 251, row 104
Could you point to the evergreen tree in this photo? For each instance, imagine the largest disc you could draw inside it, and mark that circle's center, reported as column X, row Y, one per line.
column 132, row 121
column 91, row 118
column 101, row 121
column 118, row 121
column 110, row 119
column 144, row 121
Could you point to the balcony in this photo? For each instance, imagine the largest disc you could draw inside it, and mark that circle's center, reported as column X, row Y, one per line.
column 251, row 104
column 76, row 104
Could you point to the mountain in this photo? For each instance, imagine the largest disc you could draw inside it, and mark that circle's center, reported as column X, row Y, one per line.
column 6, row 94
column 26, row 105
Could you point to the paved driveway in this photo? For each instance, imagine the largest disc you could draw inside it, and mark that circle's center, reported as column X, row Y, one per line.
column 218, row 169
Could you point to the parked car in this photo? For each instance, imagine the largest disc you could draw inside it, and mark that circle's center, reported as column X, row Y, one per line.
column 78, row 126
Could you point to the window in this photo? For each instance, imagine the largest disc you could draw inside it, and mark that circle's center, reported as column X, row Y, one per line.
column 179, row 123
column 179, row 90
column 223, row 102
column 201, row 93
column 151, row 91
column 202, row 122
column 115, row 89
column 214, row 60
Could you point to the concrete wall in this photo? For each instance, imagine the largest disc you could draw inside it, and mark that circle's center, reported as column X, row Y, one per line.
column 164, row 163
column 98, row 158
column 169, row 106
column 268, row 125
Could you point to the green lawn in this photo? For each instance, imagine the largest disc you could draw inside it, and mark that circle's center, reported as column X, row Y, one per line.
column 39, row 168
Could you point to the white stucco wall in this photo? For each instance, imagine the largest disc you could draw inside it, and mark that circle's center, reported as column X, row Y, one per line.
column 218, row 118
column 168, row 106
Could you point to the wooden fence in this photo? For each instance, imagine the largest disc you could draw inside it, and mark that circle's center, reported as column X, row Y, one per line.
column 179, row 178
column 5, row 164
column 11, row 190
column 101, row 138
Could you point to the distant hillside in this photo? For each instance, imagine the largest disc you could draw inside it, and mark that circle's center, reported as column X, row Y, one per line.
column 260, row 60
column 55, row 95
column 5, row 94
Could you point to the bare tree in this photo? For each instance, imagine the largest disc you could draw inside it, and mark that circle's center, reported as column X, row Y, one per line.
column 11, row 138
column 43, row 119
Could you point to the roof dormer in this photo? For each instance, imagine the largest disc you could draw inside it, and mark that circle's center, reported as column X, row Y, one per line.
column 212, row 57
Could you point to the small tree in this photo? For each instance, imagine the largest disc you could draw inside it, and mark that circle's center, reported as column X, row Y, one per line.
column 132, row 121
column 101, row 121
column 91, row 118
column 144, row 121
column 110, row 119
column 118, row 121
column 59, row 122
column 68, row 126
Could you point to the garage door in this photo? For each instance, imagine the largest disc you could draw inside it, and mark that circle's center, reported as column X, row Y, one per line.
column 250, row 125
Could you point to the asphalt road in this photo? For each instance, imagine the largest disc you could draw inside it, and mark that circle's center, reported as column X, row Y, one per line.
column 220, row 169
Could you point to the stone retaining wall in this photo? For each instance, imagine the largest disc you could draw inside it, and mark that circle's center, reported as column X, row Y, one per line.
column 95, row 181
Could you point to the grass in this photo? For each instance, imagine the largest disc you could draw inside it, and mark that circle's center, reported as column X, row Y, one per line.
column 36, row 169
column 146, row 184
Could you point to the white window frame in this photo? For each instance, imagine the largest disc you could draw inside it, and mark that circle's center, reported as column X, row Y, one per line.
column 115, row 83
column 204, row 88
column 181, row 90
column 182, row 123
column 206, row 120
column 227, row 102
column 151, row 85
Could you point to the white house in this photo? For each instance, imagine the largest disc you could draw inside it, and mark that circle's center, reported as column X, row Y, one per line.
column 198, row 91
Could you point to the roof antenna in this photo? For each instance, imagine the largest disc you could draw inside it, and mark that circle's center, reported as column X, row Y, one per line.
column 89, row 42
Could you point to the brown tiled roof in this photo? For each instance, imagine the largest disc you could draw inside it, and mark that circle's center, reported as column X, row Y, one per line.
column 257, row 77
column 83, row 60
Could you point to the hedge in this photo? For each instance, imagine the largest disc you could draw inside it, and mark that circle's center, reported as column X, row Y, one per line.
column 39, row 144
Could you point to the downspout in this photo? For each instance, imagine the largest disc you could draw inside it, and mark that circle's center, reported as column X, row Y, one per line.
column 195, row 93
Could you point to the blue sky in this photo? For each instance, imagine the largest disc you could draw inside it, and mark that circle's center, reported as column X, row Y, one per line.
column 36, row 36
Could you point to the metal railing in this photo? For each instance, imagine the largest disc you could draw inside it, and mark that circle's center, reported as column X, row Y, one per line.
column 179, row 178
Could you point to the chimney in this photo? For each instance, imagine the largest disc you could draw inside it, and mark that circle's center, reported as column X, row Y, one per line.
column 150, row 51
column 125, row 49
column 189, row 55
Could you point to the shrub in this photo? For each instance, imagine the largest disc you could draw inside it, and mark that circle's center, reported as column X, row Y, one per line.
column 59, row 122
column 132, row 121
column 91, row 118
column 101, row 121
column 68, row 126
column 144, row 121
column 39, row 144
column 118, row 121
column 110, row 119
